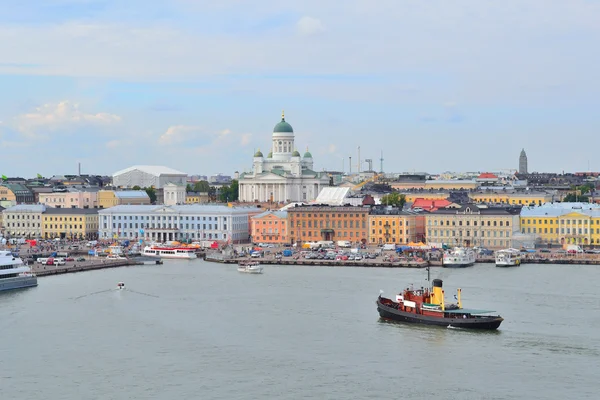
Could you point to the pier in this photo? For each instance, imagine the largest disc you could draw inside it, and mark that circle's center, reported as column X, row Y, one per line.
column 82, row 266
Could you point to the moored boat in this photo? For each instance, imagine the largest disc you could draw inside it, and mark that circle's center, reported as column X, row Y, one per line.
column 427, row 306
column 13, row 273
column 508, row 258
column 459, row 257
column 250, row 267
column 184, row 253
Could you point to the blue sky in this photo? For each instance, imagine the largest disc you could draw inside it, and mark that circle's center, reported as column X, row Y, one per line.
column 436, row 85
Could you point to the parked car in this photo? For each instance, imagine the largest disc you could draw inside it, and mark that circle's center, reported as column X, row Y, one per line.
column 80, row 259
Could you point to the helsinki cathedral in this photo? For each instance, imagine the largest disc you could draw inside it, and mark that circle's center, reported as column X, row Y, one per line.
column 283, row 176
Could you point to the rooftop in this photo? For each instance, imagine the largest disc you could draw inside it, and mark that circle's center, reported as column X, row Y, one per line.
column 131, row 194
column 27, row 208
column 71, row 211
column 560, row 209
column 178, row 209
column 278, row 214
column 156, row 170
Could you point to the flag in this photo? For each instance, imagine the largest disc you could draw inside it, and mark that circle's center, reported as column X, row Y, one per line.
column 39, row 176
column 4, row 177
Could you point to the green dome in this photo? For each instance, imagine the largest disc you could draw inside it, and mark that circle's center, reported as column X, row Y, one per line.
column 270, row 155
column 258, row 154
column 283, row 127
column 307, row 154
column 295, row 153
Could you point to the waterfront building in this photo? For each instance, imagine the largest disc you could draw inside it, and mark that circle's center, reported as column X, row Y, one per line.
column 70, row 199
column 471, row 225
column 1, row 220
column 148, row 176
column 174, row 193
column 312, row 223
column 523, row 163
column 70, row 223
column 111, row 198
column 24, row 220
column 283, row 176
column 391, row 225
column 19, row 192
column 270, row 227
column 196, row 198
column 180, row 222
column 563, row 223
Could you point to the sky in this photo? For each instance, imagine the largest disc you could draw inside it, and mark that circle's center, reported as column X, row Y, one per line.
column 198, row 86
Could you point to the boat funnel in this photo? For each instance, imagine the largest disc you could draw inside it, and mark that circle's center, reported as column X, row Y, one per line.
column 437, row 296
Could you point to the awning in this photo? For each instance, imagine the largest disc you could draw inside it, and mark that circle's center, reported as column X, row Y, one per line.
column 326, row 230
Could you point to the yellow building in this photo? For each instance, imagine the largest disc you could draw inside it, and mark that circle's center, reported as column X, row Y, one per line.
column 471, row 226
column 7, row 196
column 196, row 198
column 521, row 198
column 111, row 198
column 393, row 226
column 563, row 223
column 426, row 195
column 70, row 223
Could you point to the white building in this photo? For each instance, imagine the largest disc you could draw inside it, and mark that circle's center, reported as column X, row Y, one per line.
column 174, row 193
column 180, row 222
column 148, row 176
column 23, row 220
column 283, row 176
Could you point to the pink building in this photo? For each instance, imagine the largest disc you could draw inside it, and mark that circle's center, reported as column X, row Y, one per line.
column 75, row 199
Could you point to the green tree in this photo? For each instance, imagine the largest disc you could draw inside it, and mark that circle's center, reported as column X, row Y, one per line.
column 136, row 187
column 152, row 194
column 230, row 193
column 576, row 198
column 202, row 187
column 394, row 199
column 188, row 188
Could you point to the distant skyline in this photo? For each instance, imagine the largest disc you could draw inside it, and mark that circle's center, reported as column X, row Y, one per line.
column 198, row 86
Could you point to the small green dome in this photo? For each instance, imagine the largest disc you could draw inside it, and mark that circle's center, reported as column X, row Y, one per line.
column 270, row 155
column 307, row 154
column 258, row 154
column 295, row 153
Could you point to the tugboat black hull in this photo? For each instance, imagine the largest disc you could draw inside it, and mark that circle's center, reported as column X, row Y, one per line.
column 474, row 322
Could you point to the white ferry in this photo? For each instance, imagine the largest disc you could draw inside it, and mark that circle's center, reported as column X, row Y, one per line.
column 459, row 257
column 183, row 253
column 508, row 258
column 13, row 273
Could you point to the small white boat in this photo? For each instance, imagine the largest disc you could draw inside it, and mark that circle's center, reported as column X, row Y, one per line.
column 459, row 257
column 508, row 258
column 250, row 267
column 120, row 285
column 115, row 257
column 185, row 253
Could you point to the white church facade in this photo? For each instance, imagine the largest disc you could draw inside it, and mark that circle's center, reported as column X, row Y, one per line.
column 283, row 176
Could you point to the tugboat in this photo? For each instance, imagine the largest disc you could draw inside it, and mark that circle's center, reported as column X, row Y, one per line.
column 427, row 306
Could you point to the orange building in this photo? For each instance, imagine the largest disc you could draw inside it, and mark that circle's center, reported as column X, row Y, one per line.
column 270, row 227
column 312, row 223
column 392, row 225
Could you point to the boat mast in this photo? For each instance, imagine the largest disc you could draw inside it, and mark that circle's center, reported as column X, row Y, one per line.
column 428, row 275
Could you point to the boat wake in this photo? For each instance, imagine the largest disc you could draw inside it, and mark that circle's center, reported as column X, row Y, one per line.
column 115, row 290
column 453, row 327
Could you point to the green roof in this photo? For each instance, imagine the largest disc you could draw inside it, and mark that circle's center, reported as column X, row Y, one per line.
column 258, row 154
column 295, row 153
column 283, row 127
column 270, row 155
column 278, row 171
column 307, row 154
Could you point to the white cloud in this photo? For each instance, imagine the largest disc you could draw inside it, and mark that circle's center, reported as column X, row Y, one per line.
column 113, row 144
column 53, row 116
column 178, row 134
column 331, row 149
column 245, row 139
column 309, row 26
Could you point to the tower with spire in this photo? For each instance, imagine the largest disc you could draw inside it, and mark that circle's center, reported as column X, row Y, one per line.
column 523, row 163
